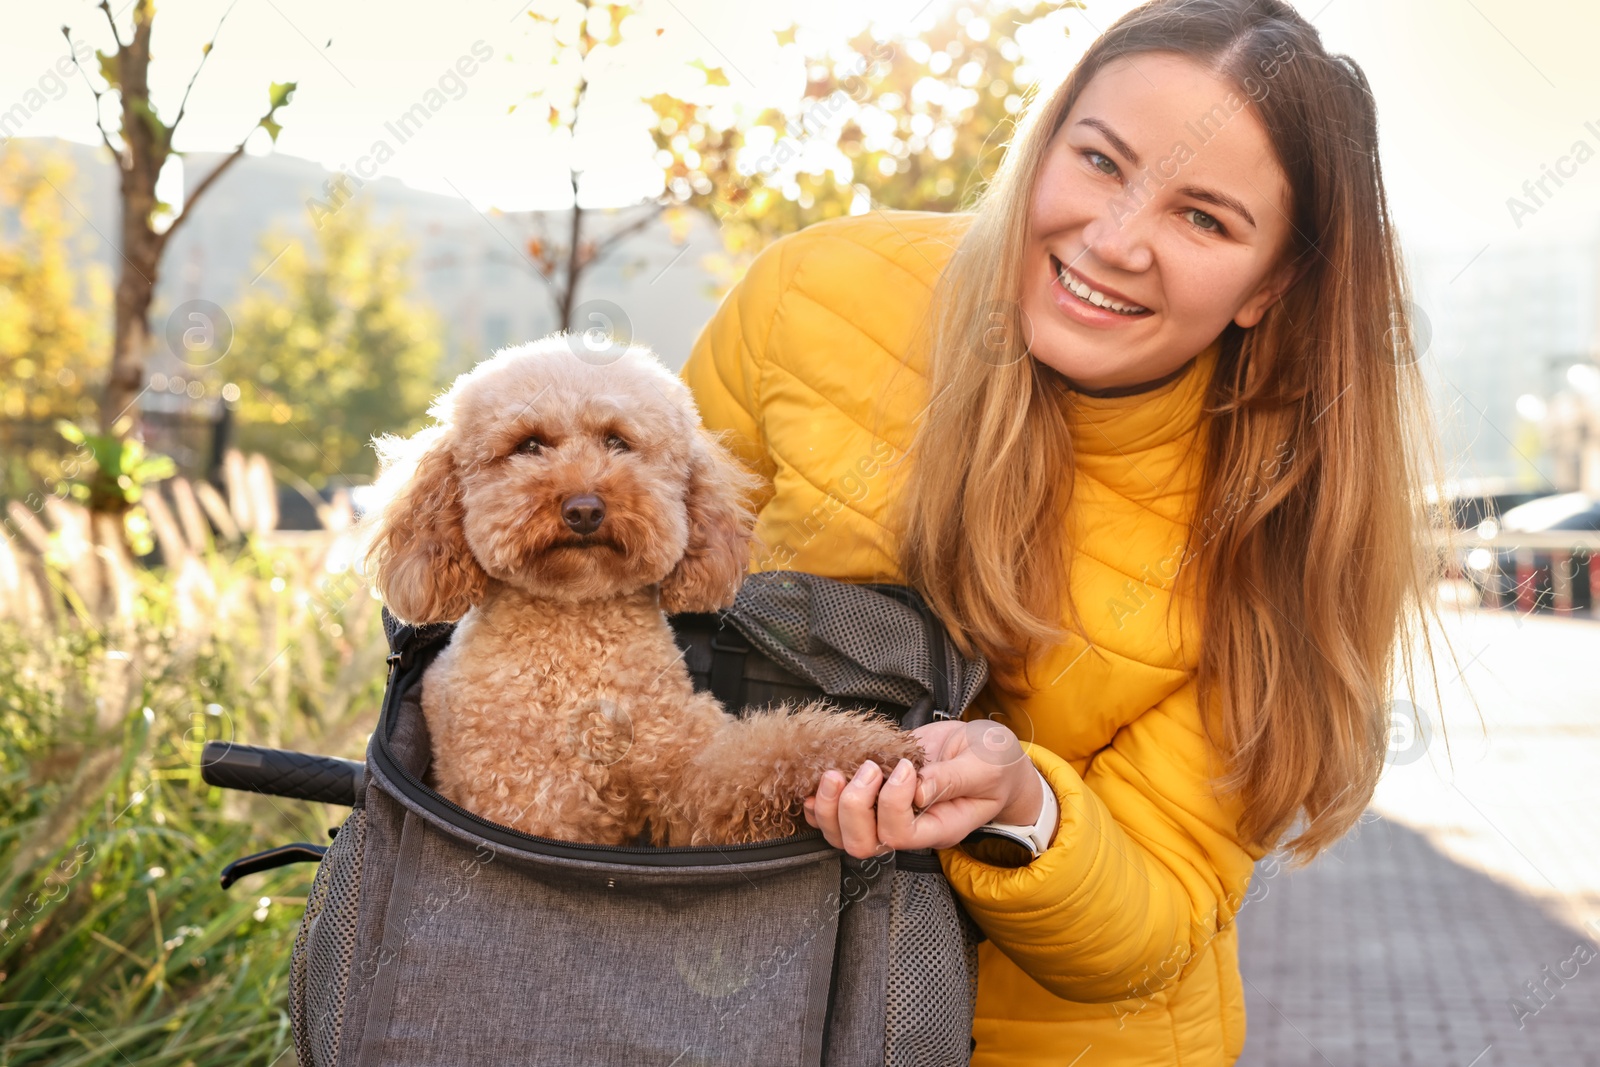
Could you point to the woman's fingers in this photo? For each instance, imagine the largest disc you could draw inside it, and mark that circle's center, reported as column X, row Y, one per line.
column 868, row 814
column 897, row 822
column 943, row 825
column 858, row 812
column 823, row 808
column 936, row 738
column 846, row 812
column 968, row 775
column 947, row 824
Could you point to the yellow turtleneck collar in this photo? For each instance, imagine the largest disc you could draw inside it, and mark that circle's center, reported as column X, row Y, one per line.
column 1138, row 422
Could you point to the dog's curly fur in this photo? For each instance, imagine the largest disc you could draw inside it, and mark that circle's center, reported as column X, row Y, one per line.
column 561, row 706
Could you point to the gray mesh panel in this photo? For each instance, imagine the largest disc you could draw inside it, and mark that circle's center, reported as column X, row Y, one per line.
column 850, row 640
column 933, row 975
column 319, row 971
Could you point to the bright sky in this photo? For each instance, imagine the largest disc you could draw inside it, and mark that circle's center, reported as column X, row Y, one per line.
column 1475, row 97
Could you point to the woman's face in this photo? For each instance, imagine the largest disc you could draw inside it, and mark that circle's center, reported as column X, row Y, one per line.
column 1160, row 196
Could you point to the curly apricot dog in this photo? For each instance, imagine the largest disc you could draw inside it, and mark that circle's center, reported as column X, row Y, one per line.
column 558, row 507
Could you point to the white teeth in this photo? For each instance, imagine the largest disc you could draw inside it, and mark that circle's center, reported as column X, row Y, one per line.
column 1096, row 297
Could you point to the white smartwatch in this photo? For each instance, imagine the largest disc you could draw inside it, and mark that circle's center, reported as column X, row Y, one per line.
column 1035, row 838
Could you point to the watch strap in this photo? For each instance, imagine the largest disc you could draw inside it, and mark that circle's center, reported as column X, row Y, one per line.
column 1035, row 838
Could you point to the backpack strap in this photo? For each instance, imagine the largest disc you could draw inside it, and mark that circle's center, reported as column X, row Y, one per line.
column 921, row 713
column 728, row 652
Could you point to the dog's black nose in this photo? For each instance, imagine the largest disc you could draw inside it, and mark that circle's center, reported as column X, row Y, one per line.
column 583, row 513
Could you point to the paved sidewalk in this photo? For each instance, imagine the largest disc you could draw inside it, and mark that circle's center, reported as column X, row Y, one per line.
column 1460, row 926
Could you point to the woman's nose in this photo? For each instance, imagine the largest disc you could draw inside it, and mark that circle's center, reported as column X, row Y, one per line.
column 1119, row 235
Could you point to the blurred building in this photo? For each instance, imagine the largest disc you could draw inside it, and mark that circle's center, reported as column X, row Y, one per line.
column 1507, row 326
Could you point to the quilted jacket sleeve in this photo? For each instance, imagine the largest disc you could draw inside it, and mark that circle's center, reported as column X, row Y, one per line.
column 724, row 369
column 1144, row 869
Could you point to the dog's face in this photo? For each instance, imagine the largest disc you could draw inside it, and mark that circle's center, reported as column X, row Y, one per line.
column 563, row 478
column 574, row 478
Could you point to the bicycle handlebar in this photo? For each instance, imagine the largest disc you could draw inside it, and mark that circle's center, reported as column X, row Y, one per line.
column 282, row 773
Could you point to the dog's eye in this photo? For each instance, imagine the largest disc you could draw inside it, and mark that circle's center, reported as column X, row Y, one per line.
column 532, row 445
column 616, row 443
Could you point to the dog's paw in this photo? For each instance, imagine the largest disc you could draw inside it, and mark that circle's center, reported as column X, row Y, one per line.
column 858, row 737
column 899, row 745
column 822, row 737
column 748, row 782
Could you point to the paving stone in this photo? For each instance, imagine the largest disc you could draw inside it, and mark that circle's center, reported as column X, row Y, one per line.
column 1478, row 871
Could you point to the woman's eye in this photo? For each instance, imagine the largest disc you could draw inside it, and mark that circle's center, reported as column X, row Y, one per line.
column 532, row 445
column 1205, row 222
column 1102, row 163
column 616, row 443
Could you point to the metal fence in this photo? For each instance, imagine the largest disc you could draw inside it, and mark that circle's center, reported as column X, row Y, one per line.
column 196, row 437
column 1553, row 572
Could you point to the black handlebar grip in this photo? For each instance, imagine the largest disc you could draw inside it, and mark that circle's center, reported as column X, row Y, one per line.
column 281, row 773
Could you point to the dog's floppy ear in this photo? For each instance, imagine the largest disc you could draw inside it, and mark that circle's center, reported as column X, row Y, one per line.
column 720, row 528
column 418, row 554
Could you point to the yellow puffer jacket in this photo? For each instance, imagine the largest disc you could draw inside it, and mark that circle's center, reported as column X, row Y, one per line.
column 1117, row 945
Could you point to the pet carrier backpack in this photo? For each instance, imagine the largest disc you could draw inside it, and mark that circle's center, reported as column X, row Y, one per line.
column 434, row 937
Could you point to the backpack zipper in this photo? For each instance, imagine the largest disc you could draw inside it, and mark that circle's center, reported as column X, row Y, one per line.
column 800, row 844
column 416, row 660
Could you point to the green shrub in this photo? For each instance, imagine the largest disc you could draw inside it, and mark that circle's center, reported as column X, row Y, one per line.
column 117, row 945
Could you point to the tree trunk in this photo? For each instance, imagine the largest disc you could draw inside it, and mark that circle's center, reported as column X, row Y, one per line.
column 135, row 289
column 141, row 246
column 575, row 263
column 569, row 292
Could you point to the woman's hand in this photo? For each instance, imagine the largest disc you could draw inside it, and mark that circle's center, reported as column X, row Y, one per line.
column 976, row 773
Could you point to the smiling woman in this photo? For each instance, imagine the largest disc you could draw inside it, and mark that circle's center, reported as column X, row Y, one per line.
column 1159, row 439
column 1134, row 278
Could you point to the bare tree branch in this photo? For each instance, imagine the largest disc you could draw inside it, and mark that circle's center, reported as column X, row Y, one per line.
column 104, row 136
column 569, row 291
column 204, row 55
column 612, row 238
column 565, row 278
column 539, row 272
column 199, row 191
column 105, row 5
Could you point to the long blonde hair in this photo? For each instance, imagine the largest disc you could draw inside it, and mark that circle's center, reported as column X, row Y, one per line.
column 1310, row 591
